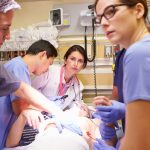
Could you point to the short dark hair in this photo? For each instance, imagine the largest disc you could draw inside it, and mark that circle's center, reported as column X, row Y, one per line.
column 42, row 45
column 78, row 48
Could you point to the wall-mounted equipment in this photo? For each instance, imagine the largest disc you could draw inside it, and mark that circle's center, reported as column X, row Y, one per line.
column 108, row 51
column 58, row 17
column 86, row 18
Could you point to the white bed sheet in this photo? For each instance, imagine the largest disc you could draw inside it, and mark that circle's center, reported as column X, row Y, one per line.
column 55, row 141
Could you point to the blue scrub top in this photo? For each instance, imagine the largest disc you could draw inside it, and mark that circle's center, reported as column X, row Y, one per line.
column 136, row 64
column 118, row 74
column 18, row 67
column 118, row 78
column 8, row 82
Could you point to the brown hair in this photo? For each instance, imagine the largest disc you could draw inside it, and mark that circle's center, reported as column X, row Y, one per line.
column 78, row 48
column 131, row 3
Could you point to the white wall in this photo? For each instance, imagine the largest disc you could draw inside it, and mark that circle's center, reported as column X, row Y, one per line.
column 32, row 12
column 74, row 9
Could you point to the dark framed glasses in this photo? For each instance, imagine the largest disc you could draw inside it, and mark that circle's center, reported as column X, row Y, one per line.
column 109, row 12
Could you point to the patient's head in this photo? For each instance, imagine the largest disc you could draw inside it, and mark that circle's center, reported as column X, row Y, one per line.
column 80, row 109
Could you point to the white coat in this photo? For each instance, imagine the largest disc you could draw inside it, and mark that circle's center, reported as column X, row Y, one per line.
column 48, row 84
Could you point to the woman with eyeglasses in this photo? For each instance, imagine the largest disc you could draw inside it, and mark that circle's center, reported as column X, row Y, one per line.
column 124, row 23
column 62, row 80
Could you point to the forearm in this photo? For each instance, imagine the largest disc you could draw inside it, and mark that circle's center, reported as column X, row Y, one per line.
column 35, row 98
column 15, row 132
column 137, row 133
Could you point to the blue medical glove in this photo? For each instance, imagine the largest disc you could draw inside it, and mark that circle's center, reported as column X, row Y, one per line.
column 111, row 113
column 68, row 122
column 101, row 145
column 107, row 132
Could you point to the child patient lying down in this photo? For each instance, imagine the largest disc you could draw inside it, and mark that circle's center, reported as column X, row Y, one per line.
column 50, row 138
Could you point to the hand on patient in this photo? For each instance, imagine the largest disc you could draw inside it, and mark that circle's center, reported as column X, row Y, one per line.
column 65, row 120
column 111, row 113
column 69, row 118
column 27, row 116
column 33, row 117
column 107, row 132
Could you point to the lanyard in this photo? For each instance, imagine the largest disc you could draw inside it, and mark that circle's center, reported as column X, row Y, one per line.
column 61, row 88
column 60, row 81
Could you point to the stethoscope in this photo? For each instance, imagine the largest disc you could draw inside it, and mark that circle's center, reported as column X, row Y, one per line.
column 77, row 94
column 61, row 88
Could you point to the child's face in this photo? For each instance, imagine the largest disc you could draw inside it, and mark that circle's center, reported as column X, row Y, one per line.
column 81, row 110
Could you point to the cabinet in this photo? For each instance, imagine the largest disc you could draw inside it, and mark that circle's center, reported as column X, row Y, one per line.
column 7, row 55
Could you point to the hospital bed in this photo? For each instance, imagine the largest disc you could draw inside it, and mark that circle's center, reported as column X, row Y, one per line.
column 51, row 138
column 55, row 141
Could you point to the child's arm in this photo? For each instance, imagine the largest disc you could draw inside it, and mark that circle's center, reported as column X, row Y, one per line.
column 32, row 117
column 15, row 132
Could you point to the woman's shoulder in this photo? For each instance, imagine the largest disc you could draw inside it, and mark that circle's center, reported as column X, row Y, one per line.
column 140, row 45
column 139, row 49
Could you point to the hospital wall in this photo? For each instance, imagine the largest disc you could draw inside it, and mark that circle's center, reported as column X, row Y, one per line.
column 103, row 65
column 34, row 12
column 31, row 13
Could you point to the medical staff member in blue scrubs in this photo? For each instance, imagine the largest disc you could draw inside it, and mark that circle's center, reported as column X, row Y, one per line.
column 37, row 60
column 108, row 114
column 124, row 24
column 23, row 90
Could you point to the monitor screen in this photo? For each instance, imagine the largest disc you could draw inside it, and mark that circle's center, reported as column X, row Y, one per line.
column 56, row 16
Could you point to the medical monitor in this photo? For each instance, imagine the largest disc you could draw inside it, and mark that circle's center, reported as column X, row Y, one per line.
column 56, row 16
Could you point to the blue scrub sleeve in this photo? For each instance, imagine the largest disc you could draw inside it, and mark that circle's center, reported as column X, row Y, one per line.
column 20, row 70
column 137, row 72
column 8, row 82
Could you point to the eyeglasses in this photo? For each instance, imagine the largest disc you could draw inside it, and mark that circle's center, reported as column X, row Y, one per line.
column 109, row 12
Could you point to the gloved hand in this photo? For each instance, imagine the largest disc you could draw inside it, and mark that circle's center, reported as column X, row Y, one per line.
column 101, row 145
column 63, row 120
column 111, row 113
column 107, row 132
